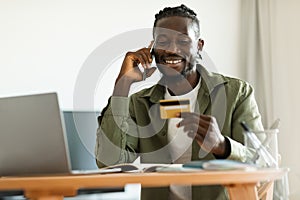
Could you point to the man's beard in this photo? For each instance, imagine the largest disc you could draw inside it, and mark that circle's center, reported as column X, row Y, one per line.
column 187, row 70
column 177, row 75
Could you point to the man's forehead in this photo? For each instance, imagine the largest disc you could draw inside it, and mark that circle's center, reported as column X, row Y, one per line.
column 174, row 25
column 164, row 31
column 173, row 20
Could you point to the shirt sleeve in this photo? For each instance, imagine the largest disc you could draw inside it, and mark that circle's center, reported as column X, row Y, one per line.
column 246, row 110
column 238, row 151
column 114, row 144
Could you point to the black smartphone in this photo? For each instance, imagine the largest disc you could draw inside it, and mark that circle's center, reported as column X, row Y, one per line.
column 153, row 64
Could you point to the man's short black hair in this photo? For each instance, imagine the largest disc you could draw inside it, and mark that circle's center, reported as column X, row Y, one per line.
column 181, row 11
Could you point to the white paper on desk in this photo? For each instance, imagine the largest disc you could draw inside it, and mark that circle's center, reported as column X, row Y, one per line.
column 97, row 171
column 177, row 168
column 221, row 164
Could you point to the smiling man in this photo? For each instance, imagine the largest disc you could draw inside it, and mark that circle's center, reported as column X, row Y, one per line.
column 132, row 126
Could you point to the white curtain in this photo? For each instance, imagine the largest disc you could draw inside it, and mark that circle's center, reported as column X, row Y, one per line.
column 258, row 59
column 257, row 53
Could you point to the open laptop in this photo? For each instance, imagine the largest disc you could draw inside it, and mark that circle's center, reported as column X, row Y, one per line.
column 33, row 138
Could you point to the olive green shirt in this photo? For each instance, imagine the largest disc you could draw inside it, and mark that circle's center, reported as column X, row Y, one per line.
column 132, row 127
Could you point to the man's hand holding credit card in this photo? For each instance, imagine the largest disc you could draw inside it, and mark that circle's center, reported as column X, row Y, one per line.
column 169, row 108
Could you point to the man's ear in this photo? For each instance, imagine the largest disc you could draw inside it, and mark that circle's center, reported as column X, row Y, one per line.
column 200, row 44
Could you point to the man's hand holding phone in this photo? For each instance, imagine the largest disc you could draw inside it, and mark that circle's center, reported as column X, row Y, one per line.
column 131, row 61
column 130, row 71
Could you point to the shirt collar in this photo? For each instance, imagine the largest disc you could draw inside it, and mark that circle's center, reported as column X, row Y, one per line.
column 209, row 81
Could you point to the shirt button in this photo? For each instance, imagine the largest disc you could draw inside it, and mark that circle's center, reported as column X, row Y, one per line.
column 124, row 126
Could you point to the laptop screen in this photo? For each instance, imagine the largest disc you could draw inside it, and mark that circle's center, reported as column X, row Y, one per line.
column 81, row 129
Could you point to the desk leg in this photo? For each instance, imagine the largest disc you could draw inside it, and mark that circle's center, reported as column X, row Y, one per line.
column 265, row 192
column 50, row 194
column 242, row 191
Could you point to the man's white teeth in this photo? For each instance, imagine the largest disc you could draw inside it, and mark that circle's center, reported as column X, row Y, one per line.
column 173, row 61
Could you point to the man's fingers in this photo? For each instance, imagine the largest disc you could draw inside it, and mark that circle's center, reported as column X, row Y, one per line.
column 195, row 128
column 191, row 127
column 189, row 117
column 204, row 118
column 189, row 120
column 196, row 136
column 147, row 57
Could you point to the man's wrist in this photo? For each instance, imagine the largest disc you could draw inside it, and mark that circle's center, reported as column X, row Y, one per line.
column 226, row 150
column 122, row 87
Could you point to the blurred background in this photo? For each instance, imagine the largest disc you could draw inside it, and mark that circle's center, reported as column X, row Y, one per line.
column 49, row 45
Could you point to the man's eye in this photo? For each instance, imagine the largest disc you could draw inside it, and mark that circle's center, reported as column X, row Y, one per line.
column 184, row 42
column 162, row 43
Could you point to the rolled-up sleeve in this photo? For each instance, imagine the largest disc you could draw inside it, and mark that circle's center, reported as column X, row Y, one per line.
column 113, row 133
column 246, row 110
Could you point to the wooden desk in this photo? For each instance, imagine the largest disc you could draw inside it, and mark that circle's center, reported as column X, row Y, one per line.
column 240, row 184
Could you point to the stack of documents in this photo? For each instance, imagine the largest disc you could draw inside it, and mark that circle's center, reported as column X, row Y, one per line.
column 219, row 165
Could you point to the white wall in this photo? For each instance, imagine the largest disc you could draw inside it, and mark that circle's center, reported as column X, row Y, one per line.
column 44, row 44
column 286, row 78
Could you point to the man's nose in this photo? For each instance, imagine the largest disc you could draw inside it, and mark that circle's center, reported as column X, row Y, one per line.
column 172, row 48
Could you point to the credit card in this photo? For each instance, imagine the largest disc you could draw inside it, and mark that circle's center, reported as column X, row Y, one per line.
column 169, row 108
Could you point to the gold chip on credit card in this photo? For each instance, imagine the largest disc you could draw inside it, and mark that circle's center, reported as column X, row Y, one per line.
column 169, row 108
